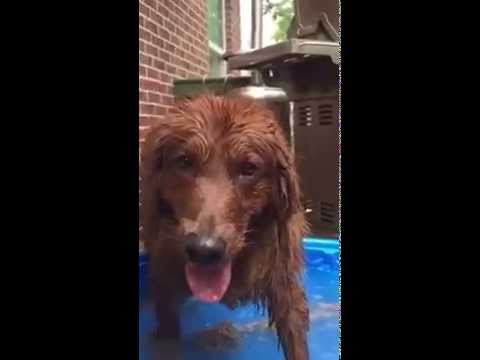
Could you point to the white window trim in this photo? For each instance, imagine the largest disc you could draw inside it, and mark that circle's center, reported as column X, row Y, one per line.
column 217, row 49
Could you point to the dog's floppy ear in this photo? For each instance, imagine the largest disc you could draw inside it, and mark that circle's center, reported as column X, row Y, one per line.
column 160, row 136
column 291, row 223
column 286, row 256
column 151, row 159
column 153, row 148
column 287, row 188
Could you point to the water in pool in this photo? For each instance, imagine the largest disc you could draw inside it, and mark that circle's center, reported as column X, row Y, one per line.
column 244, row 329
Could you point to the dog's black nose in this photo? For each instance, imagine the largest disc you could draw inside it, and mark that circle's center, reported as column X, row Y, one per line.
column 204, row 250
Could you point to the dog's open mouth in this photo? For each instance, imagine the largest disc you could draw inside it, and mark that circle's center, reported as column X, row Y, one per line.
column 208, row 283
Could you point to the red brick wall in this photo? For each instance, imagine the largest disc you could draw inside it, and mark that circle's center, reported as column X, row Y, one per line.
column 173, row 44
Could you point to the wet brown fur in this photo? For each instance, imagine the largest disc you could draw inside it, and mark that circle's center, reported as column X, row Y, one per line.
column 262, row 221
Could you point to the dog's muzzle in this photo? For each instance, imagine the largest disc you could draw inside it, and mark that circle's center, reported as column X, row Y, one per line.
column 208, row 271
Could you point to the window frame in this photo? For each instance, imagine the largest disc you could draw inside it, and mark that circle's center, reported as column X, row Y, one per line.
column 220, row 51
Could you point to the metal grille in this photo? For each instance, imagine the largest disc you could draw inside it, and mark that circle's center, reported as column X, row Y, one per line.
column 316, row 150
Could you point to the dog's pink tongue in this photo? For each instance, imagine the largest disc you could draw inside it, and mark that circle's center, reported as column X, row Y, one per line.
column 208, row 283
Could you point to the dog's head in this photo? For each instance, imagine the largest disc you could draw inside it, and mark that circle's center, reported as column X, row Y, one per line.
column 216, row 171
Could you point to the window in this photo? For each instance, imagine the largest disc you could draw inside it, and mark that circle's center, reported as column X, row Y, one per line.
column 216, row 37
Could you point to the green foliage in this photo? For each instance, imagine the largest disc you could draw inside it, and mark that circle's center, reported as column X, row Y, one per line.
column 282, row 14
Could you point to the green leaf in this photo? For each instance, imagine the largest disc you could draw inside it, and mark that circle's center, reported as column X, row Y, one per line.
column 282, row 14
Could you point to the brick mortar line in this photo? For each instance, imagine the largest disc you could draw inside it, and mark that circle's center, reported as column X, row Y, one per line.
column 195, row 25
column 176, row 46
column 169, row 43
column 175, row 65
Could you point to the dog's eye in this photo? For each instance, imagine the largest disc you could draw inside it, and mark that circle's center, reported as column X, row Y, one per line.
column 248, row 169
column 184, row 162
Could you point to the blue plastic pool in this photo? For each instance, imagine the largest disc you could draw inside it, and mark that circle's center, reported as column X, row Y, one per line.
column 321, row 284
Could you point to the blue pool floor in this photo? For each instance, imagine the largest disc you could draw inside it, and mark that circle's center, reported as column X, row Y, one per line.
column 321, row 285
